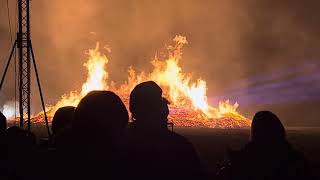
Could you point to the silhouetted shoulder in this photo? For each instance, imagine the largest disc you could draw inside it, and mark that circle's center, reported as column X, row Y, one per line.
column 180, row 140
column 3, row 123
column 164, row 153
column 298, row 165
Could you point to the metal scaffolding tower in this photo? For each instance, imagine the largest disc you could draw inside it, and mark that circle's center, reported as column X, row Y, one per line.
column 23, row 45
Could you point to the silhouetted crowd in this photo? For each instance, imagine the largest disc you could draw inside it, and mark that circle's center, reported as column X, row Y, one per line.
column 96, row 141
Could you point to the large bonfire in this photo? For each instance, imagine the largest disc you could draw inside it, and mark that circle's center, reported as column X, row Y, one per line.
column 188, row 100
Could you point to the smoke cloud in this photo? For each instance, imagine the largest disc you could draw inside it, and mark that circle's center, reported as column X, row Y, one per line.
column 231, row 43
column 10, row 109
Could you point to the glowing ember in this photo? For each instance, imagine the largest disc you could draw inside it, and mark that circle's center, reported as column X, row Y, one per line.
column 189, row 105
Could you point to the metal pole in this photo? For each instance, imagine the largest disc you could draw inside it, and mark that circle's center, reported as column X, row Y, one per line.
column 20, row 54
column 24, row 62
column 25, row 52
column 8, row 63
column 28, row 74
column 40, row 91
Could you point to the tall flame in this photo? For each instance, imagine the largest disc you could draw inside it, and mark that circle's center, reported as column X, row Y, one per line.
column 96, row 80
column 178, row 87
column 97, row 76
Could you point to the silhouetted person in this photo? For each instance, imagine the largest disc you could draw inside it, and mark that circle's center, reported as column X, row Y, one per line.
column 53, row 152
column 61, row 126
column 3, row 123
column 268, row 155
column 99, row 122
column 3, row 151
column 62, row 119
column 154, row 151
column 19, row 150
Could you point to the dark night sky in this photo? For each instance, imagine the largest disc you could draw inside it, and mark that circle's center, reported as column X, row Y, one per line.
column 262, row 53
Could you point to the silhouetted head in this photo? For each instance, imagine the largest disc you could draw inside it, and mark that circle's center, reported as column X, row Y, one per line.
column 62, row 118
column 147, row 104
column 100, row 112
column 3, row 122
column 267, row 127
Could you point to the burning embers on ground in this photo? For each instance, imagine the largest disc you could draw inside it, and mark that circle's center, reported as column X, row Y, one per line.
column 188, row 99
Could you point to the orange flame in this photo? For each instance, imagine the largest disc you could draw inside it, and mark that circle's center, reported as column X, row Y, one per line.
column 178, row 87
column 96, row 80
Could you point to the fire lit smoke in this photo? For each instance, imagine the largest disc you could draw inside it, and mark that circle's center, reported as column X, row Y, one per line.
column 97, row 80
column 189, row 105
column 10, row 109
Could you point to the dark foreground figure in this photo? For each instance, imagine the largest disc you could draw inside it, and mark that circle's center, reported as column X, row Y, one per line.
column 17, row 151
column 90, row 148
column 268, row 155
column 61, row 127
column 155, row 152
column 99, row 122
column 62, row 119
column 94, row 141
